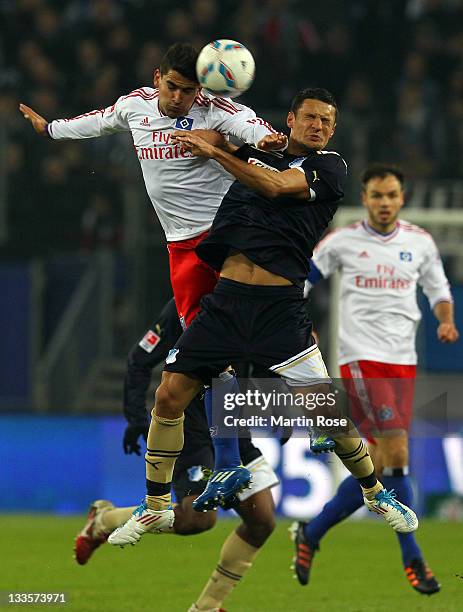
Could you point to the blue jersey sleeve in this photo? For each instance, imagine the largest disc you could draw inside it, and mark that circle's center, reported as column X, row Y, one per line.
column 314, row 275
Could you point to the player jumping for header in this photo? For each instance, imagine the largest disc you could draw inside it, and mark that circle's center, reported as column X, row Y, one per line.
column 267, row 224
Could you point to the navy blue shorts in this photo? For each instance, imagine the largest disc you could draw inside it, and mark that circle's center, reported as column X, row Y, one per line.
column 265, row 325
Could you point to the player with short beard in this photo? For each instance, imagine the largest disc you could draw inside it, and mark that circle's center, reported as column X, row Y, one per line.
column 382, row 260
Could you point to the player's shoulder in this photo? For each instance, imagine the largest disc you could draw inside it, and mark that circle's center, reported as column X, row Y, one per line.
column 140, row 96
column 215, row 104
column 415, row 232
column 339, row 235
column 329, row 160
column 353, row 228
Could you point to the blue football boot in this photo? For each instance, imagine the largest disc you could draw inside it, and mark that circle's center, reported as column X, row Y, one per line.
column 322, row 444
column 222, row 488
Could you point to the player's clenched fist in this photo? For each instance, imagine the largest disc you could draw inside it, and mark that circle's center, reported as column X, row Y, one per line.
column 273, row 142
column 447, row 332
column 38, row 123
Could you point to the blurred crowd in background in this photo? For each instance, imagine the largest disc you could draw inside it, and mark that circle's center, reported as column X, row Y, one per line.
column 396, row 67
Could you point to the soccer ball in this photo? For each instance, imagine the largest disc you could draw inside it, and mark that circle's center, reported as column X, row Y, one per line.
column 225, row 68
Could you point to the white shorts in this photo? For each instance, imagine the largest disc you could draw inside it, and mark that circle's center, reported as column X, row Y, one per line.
column 263, row 477
column 304, row 369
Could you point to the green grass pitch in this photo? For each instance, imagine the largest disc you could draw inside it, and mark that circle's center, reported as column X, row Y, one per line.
column 357, row 570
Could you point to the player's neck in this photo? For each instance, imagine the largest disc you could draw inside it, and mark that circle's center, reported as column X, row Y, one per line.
column 381, row 228
column 297, row 148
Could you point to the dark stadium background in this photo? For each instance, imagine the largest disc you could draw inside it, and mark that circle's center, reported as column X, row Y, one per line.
column 83, row 264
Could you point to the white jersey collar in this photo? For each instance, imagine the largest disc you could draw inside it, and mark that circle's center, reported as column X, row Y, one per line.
column 383, row 237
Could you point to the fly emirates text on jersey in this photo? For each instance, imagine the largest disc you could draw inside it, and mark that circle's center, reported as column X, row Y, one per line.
column 162, row 148
column 384, row 278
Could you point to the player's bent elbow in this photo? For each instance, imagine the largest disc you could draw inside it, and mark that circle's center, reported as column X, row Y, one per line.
column 281, row 186
column 271, row 194
column 272, row 190
column 138, row 358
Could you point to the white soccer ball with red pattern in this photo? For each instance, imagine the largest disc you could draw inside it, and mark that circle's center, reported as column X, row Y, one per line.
column 225, row 68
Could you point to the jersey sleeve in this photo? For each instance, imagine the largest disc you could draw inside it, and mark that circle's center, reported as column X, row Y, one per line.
column 432, row 277
column 100, row 122
column 150, row 351
column 326, row 256
column 314, row 276
column 237, row 120
column 326, row 174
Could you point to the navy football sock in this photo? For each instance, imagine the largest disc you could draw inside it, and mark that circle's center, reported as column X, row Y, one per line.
column 347, row 500
column 226, row 450
column 401, row 484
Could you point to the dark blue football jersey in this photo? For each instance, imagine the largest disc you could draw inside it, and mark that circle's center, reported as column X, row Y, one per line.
column 278, row 234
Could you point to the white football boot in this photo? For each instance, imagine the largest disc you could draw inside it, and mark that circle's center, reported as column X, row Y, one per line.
column 399, row 516
column 143, row 520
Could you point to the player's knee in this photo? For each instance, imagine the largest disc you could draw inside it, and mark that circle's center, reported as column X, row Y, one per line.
column 264, row 529
column 257, row 530
column 395, row 455
column 398, row 458
column 167, row 404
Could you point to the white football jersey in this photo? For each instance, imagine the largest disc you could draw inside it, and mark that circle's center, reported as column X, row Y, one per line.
column 185, row 191
column 378, row 310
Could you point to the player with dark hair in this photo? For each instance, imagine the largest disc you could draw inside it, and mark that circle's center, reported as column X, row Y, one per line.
column 185, row 191
column 314, row 93
column 382, row 259
column 180, row 58
column 267, row 224
column 255, row 506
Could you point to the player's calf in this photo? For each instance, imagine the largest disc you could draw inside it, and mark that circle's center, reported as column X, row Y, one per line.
column 258, row 515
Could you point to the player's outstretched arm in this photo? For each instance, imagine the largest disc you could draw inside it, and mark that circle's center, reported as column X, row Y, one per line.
column 38, row 122
column 100, row 122
column 447, row 331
